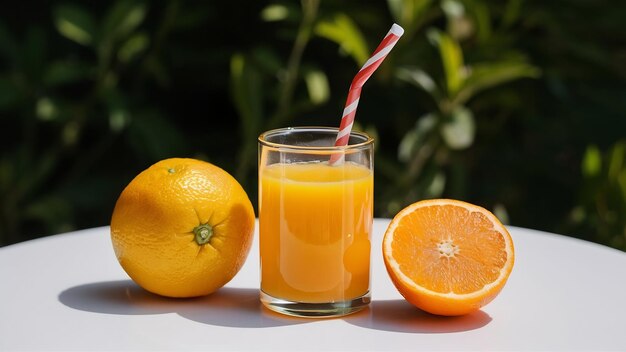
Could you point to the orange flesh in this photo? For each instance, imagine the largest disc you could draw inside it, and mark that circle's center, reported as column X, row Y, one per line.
column 475, row 250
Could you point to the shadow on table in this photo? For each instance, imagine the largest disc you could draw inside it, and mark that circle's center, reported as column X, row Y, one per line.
column 240, row 307
column 401, row 316
column 230, row 307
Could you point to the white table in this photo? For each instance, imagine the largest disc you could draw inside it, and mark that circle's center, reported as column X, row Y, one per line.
column 67, row 292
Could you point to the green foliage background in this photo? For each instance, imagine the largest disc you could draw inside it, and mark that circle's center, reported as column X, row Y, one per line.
column 518, row 105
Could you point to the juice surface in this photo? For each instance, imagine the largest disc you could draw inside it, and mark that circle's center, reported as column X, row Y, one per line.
column 315, row 224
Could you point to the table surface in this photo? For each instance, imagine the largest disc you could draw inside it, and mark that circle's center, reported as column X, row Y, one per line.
column 67, row 292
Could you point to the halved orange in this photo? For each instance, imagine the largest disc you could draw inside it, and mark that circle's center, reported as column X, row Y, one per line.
column 448, row 257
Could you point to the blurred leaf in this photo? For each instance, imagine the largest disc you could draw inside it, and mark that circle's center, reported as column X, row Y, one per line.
column 430, row 184
column 267, row 60
column 482, row 17
column 499, row 210
column 247, row 94
column 33, row 173
column 616, row 161
column 122, row 19
column 484, row 76
column 452, row 59
column 119, row 116
column 419, row 78
column 133, row 46
column 416, row 137
column 343, row 31
column 46, row 109
column 71, row 133
column 9, row 94
column 154, row 137
column 75, row 23
column 621, row 181
column 407, row 146
column 459, row 130
column 118, row 119
column 592, row 162
column 452, row 8
column 511, row 12
column 54, row 211
column 155, row 67
column 246, row 91
column 461, row 28
column 64, row 72
column 317, row 85
column 436, row 186
column 408, row 13
column 274, row 12
column 466, row 17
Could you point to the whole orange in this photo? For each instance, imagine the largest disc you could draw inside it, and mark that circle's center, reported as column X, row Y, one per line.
column 182, row 228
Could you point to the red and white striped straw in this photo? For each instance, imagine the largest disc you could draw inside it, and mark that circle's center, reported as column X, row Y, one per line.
column 349, row 112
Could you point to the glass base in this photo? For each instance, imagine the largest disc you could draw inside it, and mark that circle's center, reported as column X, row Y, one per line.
column 315, row 310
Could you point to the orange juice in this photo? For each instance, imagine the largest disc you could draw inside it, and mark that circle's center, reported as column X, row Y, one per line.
column 315, row 224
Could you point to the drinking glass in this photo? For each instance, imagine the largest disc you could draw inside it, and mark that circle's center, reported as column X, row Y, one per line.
column 315, row 220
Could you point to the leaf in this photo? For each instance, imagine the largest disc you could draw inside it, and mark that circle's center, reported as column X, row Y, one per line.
column 54, row 211
column 617, row 161
column 459, row 25
column 274, row 13
column 621, row 182
column 592, row 162
column 408, row 13
column 452, row 8
column 451, row 58
column 396, row 7
column 66, row 72
column 484, row 76
column 246, row 88
column 317, row 85
column 436, row 186
column 431, row 183
column 268, row 61
column 122, row 19
column 46, row 109
column 247, row 94
column 154, row 137
column 132, row 47
column 343, row 31
column 482, row 17
column 407, row 146
column 416, row 137
column 511, row 12
column 75, row 23
column 459, row 130
column 499, row 210
column 419, row 78
column 117, row 106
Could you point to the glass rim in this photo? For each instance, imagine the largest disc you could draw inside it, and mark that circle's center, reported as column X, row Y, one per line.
column 368, row 140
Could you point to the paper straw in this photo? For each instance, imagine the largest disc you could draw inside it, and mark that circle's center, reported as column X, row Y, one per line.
column 349, row 112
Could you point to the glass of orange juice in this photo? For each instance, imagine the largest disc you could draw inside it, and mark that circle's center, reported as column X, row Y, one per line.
column 315, row 221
